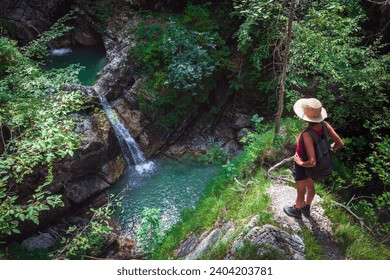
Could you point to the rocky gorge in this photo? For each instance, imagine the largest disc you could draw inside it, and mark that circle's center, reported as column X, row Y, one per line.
column 98, row 163
column 83, row 180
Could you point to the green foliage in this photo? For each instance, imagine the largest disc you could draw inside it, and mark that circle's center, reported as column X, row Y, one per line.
column 91, row 239
column 103, row 11
column 358, row 244
column 198, row 18
column 379, row 159
column 224, row 199
column 257, row 121
column 330, row 60
column 190, row 62
column 248, row 251
column 313, row 247
column 216, row 156
column 371, row 211
column 38, row 47
column 149, row 233
column 17, row 252
column 38, row 113
column 180, row 57
column 356, row 241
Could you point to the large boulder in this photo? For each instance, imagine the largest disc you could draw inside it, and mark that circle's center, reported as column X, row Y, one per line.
column 82, row 189
column 272, row 241
column 205, row 245
column 267, row 241
column 41, row 241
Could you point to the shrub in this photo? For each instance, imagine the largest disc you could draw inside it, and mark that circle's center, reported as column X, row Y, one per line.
column 179, row 57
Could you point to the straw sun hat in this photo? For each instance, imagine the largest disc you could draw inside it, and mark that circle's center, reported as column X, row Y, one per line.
column 310, row 109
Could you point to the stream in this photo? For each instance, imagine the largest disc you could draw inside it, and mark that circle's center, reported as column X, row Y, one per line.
column 93, row 58
column 170, row 187
column 166, row 184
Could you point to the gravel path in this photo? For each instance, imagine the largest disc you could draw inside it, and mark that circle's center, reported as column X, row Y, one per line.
column 318, row 224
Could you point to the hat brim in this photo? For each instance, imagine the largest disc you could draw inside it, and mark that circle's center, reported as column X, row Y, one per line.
column 298, row 109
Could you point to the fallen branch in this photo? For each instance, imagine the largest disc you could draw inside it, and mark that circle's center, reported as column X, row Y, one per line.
column 360, row 220
column 239, row 183
column 269, row 175
column 280, row 164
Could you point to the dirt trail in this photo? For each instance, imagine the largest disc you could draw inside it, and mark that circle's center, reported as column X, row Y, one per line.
column 318, row 224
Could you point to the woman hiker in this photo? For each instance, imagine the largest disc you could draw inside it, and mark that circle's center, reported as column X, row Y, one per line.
column 310, row 110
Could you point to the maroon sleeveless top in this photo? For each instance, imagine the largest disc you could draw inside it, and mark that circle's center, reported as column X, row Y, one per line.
column 300, row 145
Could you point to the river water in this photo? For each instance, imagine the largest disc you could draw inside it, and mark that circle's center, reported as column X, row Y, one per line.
column 162, row 183
column 93, row 58
column 171, row 186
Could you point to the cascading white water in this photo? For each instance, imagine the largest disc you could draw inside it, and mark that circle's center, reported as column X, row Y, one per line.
column 131, row 152
column 60, row 52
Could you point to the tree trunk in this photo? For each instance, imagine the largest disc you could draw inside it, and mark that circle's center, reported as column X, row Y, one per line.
column 281, row 88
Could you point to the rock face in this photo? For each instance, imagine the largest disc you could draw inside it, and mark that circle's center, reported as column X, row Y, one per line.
column 29, row 19
column 81, row 34
column 272, row 240
column 205, row 245
column 95, row 166
column 269, row 242
column 98, row 163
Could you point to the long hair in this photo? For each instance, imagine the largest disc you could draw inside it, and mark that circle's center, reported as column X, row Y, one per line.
column 311, row 124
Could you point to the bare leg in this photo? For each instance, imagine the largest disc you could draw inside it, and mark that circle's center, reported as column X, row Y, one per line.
column 310, row 191
column 301, row 190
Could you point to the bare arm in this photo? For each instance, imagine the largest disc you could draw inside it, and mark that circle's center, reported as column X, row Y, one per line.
column 338, row 142
column 309, row 146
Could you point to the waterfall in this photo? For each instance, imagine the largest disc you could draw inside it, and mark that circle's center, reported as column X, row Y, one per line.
column 60, row 52
column 130, row 150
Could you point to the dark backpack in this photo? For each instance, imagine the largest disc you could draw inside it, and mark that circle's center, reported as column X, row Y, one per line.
column 323, row 152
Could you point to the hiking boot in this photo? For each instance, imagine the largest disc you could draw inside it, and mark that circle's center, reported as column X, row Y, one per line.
column 292, row 212
column 305, row 210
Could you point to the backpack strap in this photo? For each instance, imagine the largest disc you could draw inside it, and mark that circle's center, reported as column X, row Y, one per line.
column 314, row 135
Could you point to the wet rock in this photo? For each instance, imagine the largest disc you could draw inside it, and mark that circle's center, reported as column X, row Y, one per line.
column 112, row 170
column 126, row 248
column 131, row 118
column 83, row 34
column 80, row 190
column 118, row 76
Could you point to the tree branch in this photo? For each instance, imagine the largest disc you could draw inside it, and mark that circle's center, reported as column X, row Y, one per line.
column 280, row 164
column 269, row 175
column 387, row 2
column 281, row 88
column 359, row 219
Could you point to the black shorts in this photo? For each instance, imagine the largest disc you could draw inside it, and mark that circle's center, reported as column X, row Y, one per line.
column 299, row 173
